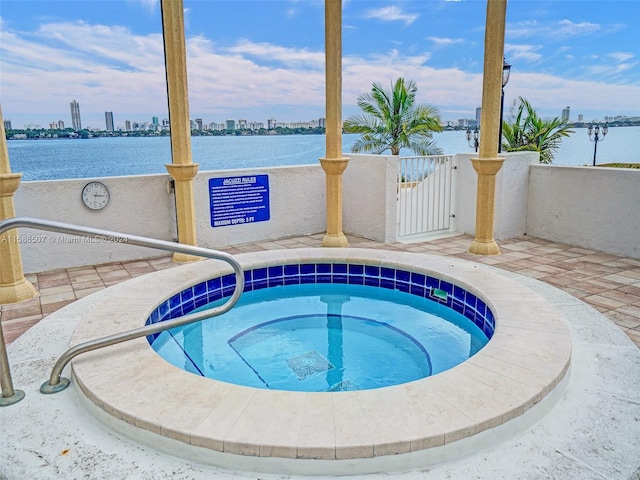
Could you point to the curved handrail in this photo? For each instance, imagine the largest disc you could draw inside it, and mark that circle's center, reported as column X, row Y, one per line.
column 55, row 382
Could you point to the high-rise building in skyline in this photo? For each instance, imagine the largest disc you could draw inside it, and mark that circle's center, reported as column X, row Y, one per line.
column 75, row 115
column 565, row 114
column 108, row 118
column 127, row 125
column 478, row 115
column 7, row 124
column 580, row 118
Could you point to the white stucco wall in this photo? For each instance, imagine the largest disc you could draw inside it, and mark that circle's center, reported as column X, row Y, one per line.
column 596, row 208
column 511, row 194
column 297, row 206
column 593, row 208
column 139, row 205
column 369, row 196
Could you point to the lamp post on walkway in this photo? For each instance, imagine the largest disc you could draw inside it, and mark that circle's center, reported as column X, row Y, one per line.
column 594, row 136
column 506, row 71
column 473, row 136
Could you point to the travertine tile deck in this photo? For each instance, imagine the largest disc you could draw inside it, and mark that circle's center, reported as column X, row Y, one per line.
column 609, row 283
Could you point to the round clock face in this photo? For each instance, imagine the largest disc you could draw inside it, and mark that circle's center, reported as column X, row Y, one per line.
column 95, row 195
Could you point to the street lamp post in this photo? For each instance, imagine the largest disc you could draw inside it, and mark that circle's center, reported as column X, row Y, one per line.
column 473, row 137
column 506, row 71
column 594, row 136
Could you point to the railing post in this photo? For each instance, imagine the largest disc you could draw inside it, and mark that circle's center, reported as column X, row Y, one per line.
column 56, row 383
column 9, row 395
column 13, row 286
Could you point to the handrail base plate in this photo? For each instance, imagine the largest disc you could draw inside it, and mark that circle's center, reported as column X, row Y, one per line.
column 15, row 398
column 47, row 388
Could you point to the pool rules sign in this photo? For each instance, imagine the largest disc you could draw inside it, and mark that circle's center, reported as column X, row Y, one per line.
column 239, row 200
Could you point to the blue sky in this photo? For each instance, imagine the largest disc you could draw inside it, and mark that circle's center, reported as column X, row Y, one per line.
column 255, row 59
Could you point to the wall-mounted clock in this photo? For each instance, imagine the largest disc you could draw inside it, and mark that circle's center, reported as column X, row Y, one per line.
column 95, row 195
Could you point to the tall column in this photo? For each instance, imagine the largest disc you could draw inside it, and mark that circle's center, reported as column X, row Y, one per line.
column 334, row 163
column 13, row 286
column 182, row 170
column 488, row 164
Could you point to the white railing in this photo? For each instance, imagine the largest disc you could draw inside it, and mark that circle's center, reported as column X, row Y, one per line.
column 424, row 195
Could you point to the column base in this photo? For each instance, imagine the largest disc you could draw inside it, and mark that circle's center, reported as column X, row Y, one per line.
column 335, row 240
column 484, row 248
column 17, row 292
column 185, row 258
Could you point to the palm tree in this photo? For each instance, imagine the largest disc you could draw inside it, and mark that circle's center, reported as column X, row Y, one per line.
column 392, row 120
column 527, row 131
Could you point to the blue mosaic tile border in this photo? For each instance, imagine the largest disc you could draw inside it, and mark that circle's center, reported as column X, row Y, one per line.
column 457, row 298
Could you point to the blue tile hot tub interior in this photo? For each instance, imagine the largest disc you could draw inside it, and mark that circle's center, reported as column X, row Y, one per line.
column 441, row 291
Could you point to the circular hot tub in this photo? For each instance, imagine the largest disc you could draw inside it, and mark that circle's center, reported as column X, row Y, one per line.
column 433, row 418
column 325, row 327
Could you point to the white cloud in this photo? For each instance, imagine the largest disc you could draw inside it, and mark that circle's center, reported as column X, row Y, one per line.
column 149, row 4
column 621, row 56
column 391, row 14
column 444, row 41
column 558, row 30
column 527, row 53
column 287, row 56
column 566, row 28
column 522, row 29
column 113, row 69
column 548, row 93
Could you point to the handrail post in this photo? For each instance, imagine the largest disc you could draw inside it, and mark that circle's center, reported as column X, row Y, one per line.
column 9, row 395
column 56, row 383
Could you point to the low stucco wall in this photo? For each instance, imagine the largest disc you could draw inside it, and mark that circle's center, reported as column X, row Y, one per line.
column 369, row 196
column 511, row 194
column 595, row 208
column 144, row 205
column 297, row 206
column 139, row 205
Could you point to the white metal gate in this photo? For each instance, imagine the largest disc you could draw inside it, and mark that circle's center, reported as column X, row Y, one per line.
column 424, row 195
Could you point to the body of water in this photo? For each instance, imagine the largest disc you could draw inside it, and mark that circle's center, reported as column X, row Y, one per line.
column 119, row 156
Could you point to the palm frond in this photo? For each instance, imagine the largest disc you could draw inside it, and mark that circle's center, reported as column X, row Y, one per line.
column 526, row 131
column 392, row 119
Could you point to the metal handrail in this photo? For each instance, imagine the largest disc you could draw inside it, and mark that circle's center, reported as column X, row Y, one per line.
column 57, row 383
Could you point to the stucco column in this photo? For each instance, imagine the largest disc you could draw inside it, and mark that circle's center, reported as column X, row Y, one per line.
column 334, row 163
column 182, row 170
column 13, row 286
column 488, row 164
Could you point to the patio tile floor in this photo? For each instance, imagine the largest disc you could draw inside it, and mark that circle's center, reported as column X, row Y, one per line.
column 608, row 283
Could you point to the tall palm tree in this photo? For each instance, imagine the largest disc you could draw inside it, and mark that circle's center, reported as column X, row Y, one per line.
column 392, row 120
column 527, row 131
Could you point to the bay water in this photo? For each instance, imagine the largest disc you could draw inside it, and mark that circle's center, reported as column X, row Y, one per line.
column 53, row 159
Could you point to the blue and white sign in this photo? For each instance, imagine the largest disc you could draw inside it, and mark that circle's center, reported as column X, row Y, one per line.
column 239, row 200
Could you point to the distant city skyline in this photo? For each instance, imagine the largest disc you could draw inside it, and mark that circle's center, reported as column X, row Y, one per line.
column 110, row 124
column 110, row 55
